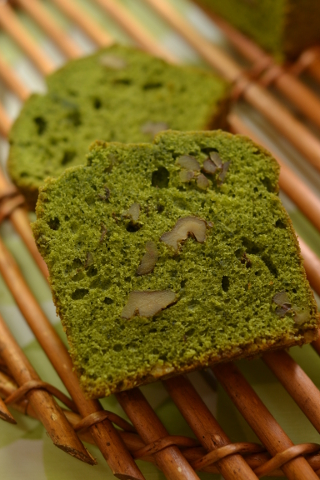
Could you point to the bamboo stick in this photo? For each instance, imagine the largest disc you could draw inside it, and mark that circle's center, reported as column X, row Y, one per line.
column 206, row 428
column 36, row 10
column 255, row 95
column 254, row 461
column 8, row 387
column 20, row 220
column 312, row 265
column 2, row 363
column 297, row 383
column 289, row 182
column 91, row 28
column 134, row 442
column 18, row 396
column 11, row 25
column 309, row 61
column 139, row 34
column 5, row 414
column 5, row 123
column 169, row 460
column 253, row 410
column 105, row 435
column 316, row 345
column 48, row 412
column 314, row 69
column 10, row 79
column 291, row 87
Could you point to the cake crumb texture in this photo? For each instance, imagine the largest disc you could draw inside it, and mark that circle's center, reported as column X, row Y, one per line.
column 225, row 258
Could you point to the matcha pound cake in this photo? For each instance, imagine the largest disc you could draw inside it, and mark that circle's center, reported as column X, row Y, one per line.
column 171, row 256
column 283, row 27
column 117, row 94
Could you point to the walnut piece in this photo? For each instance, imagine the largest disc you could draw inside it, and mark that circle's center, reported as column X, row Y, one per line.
column 223, row 174
column 152, row 128
column 209, row 167
column 188, row 162
column 202, row 182
column 284, row 305
column 216, row 159
column 300, row 316
column 186, row 176
column 112, row 61
column 149, row 259
column 194, row 226
column 281, row 298
column 147, row 303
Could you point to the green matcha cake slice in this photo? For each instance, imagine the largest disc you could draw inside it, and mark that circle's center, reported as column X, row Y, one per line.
column 283, row 27
column 118, row 94
column 171, row 256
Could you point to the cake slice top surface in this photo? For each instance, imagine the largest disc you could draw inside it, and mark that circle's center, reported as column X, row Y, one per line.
column 117, row 94
column 195, row 216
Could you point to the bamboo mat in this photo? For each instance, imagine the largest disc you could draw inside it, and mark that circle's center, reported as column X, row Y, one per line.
column 25, row 450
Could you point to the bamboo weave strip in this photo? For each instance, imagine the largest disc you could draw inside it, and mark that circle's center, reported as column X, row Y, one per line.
column 170, row 460
column 48, row 411
column 5, row 414
column 20, row 221
column 5, row 123
column 136, row 31
column 311, row 63
column 206, row 428
column 253, row 410
column 135, row 444
column 91, row 28
column 12, row 26
column 10, row 79
column 36, row 10
column 196, row 456
column 302, row 390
